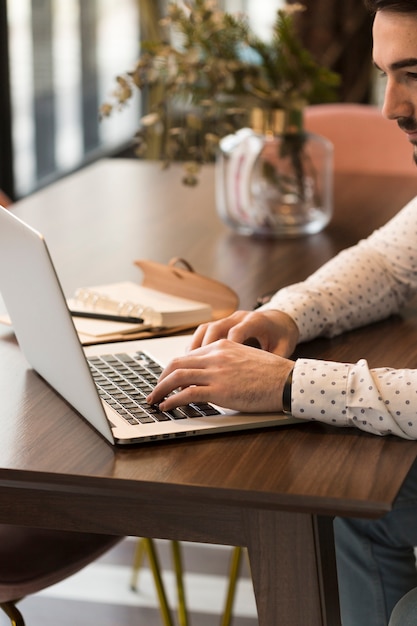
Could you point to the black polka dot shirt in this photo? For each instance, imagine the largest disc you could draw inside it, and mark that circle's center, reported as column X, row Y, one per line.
column 362, row 284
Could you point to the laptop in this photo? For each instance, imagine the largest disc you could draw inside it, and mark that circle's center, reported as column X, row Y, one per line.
column 106, row 384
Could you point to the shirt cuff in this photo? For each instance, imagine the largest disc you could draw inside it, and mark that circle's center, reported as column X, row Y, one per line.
column 319, row 391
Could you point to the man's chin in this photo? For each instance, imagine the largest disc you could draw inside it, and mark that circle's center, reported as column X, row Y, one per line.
column 415, row 154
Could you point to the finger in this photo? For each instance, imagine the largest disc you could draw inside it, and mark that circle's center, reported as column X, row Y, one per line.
column 198, row 336
column 209, row 333
column 177, row 379
column 191, row 360
column 246, row 333
column 184, row 397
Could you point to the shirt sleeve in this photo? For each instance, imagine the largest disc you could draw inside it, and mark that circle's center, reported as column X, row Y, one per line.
column 360, row 285
column 380, row 401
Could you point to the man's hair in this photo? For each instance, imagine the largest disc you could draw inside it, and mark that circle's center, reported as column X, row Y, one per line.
column 399, row 6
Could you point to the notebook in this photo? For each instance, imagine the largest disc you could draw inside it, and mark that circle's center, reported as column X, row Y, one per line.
column 155, row 308
column 46, row 334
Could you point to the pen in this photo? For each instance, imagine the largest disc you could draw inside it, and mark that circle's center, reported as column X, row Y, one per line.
column 107, row 317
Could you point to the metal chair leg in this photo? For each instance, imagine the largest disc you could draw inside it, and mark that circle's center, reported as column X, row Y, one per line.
column 156, row 571
column 147, row 546
column 137, row 563
column 13, row 613
column 235, row 562
column 182, row 606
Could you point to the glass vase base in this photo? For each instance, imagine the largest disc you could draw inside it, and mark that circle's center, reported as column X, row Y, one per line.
column 274, row 186
column 283, row 227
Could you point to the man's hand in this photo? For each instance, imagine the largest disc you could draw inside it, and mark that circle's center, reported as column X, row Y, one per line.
column 225, row 373
column 275, row 331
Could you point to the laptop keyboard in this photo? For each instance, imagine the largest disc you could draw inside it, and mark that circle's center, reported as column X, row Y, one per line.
column 124, row 381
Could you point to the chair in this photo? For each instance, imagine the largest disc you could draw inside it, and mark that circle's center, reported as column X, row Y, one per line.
column 405, row 611
column 146, row 546
column 33, row 559
column 364, row 141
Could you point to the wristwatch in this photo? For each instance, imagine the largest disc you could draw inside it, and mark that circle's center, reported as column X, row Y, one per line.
column 286, row 394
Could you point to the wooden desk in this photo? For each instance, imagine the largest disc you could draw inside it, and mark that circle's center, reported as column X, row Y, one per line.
column 273, row 491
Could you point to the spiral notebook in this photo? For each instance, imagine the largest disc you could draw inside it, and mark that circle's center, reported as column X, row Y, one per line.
column 86, row 378
column 156, row 308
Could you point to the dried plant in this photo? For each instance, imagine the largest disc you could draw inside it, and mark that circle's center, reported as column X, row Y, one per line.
column 207, row 74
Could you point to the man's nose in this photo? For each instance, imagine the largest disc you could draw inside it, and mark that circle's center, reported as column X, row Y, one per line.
column 397, row 101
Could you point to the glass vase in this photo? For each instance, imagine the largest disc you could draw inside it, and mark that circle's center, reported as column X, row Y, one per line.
column 275, row 184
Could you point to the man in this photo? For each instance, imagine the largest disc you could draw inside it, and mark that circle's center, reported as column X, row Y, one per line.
column 375, row 559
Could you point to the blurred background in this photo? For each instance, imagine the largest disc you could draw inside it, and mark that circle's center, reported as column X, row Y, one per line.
column 59, row 59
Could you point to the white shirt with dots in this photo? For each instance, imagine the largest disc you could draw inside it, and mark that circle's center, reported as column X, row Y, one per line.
column 362, row 284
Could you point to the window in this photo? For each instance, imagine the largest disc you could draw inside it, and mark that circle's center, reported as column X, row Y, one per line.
column 261, row 13
column 64, row 56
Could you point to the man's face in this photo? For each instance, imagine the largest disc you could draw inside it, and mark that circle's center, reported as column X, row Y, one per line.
column 395, row 54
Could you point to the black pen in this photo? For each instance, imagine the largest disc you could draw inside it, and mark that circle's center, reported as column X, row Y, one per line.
column 107, row 317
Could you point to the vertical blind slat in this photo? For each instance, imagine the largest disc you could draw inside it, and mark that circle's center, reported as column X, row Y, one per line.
column 43, row 81
column 89, row 17
column 6, row 162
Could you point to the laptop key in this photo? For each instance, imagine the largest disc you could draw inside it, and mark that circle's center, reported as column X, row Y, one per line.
column 177, row 414
column 161, row 417
column 146, row 419
column 190, row 411
column 207, row 409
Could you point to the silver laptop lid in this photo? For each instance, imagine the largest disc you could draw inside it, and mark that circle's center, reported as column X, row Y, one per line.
column 41, row 320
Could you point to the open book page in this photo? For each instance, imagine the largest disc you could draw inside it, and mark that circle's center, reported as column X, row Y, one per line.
column 158, row 309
